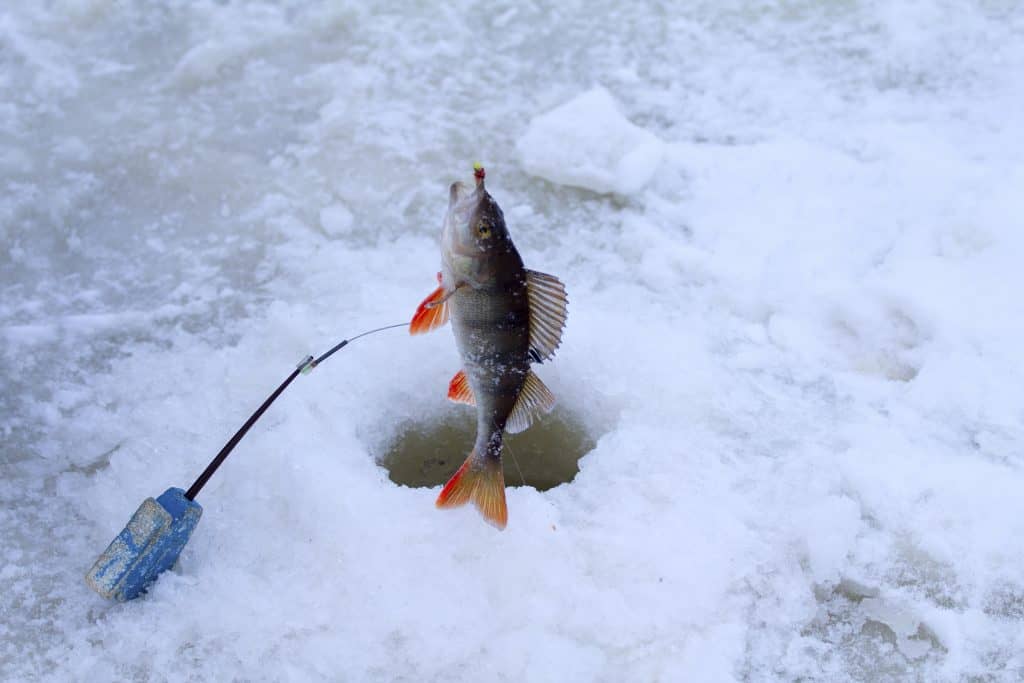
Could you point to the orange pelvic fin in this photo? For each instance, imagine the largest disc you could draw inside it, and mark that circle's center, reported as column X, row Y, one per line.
column 459, row 390
column 431, row 314
column 481, row 481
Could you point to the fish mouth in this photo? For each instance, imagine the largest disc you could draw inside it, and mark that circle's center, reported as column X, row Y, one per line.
column 462, row 196
column 463, row 200
column 463, row 203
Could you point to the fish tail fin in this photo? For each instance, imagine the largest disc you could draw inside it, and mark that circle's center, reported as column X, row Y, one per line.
column 480, row 480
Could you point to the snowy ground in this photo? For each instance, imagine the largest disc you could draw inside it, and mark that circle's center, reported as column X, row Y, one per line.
column 792, row 237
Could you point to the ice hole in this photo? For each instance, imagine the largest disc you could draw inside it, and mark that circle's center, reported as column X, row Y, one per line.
column 547, row 454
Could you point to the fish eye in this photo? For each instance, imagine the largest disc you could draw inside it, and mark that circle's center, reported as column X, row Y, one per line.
column 483, row 230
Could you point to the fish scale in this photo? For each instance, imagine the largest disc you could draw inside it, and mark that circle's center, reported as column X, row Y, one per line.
column 496, row 369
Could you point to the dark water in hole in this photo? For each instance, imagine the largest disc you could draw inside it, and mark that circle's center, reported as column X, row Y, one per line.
column 547, row 453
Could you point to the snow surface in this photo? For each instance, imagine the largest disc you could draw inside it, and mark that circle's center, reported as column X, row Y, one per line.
column 588, row 143
column 797, row 343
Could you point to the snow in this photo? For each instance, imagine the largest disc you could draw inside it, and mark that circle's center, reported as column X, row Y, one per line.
column 588, row 143
column 336, row 219
column 791, row 238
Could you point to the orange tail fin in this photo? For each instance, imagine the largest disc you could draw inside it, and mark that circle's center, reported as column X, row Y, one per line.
column 481, row 481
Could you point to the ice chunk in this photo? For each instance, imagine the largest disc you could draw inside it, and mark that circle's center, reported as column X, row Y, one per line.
column 588, row 143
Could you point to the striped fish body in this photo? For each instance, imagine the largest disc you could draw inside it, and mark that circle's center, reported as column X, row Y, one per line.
column 491, row 324
column 504, row 317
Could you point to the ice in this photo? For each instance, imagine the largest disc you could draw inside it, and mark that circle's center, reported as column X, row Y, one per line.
column 588, row 143
column 793, row 337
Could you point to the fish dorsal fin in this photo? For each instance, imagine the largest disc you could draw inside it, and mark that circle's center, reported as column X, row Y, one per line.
column 459, row 389
column 548, row 312
column 534, row 400
column 431, row 314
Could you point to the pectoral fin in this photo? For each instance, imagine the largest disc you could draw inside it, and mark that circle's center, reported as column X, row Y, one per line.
column 432, row 312
column 534, row 400
column 548, row 312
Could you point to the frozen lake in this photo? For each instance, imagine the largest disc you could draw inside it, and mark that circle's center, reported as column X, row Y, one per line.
column 792, row 238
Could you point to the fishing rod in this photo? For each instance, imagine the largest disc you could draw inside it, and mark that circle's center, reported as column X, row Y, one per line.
column 160, row 528
column 304, row 367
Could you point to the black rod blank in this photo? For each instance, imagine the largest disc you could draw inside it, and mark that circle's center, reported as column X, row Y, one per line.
column 306, row 365
column 199, row 483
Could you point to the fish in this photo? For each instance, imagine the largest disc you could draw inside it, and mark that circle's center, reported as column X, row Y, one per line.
column 505, row 318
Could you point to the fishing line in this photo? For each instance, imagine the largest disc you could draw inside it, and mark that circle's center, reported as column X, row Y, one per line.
column 304, row 367
column 515, row 462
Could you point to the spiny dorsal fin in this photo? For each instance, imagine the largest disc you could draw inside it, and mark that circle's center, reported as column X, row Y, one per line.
column 547, row 313
column 459, row 389
column 534, row 400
